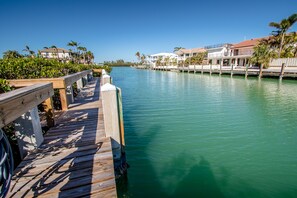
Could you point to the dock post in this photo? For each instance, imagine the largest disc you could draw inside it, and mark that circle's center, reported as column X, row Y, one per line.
column 261, row 71
column 194, row 69
column 112, row 118
column 221, row 67
column 246, row 70
column 106, row 79
column 210, row 71
column 28, row 132
column 202, row 69
column 281, row 75
column 231, row 70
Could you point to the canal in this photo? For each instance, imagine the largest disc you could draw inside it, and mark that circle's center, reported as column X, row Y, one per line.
column 193, row 135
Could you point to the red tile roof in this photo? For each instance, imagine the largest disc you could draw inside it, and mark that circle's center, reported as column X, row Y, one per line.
column 247, row 43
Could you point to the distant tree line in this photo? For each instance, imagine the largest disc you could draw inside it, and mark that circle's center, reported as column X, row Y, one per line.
column 119, row 62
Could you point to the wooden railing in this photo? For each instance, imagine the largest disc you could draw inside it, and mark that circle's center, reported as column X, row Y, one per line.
column 15, row 103
column 63, row 84
column 13, row 106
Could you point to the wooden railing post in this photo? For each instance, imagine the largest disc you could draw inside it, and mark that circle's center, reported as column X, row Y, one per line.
column 79, row 84
column 202, row 69
column 28, row 131
column 69, row 94
column 49, row 112
column 231, row 73
column 85, row 79
column 63, row 99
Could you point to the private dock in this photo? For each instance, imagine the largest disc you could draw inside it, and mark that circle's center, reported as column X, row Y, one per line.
column 279, row 72
column 76, row 157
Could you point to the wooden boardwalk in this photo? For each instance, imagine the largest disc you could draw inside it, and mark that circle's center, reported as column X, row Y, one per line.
column 75, row 159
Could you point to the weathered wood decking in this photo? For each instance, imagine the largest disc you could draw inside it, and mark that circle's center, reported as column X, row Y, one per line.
column 75, row 159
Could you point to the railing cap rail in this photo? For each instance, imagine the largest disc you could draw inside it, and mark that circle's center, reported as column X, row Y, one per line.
column 15, row 103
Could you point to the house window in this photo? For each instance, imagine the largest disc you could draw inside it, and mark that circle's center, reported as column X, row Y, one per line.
column 218, row 62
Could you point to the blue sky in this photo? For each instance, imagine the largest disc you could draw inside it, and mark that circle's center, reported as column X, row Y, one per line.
column 116, row 29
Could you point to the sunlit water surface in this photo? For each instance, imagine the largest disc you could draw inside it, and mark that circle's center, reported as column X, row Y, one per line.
column 193, row 135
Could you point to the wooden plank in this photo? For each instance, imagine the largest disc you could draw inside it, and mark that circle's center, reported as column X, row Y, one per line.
column 58, row 83
column 15, row 103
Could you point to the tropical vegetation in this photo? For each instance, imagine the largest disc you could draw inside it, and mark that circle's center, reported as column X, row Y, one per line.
column 280, row 44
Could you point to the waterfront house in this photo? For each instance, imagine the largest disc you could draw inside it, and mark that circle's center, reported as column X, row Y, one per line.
column 162, row 58
column 56, row 53
column 183, row 54
column 217, row 54
column 241, row 52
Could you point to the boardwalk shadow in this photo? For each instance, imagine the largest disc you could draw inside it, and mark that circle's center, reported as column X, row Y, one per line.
column 198, row 182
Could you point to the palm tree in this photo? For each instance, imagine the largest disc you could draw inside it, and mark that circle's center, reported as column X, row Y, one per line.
column 90, row 57
column 11, row 54
column 31, row 53
column 282, row 28
column 137, row 54
column 75, row 45
column 143, row 57
column 177, row 49
column 262, row 55
column 84, row 50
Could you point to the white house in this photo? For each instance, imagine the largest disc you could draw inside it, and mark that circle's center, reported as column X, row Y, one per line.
column 217, row 53
column 56, row 53
column 164, row 58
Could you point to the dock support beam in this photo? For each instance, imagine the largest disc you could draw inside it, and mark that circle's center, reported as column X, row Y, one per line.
column 28, row 131
column 210, row 71
column 281, row 75
column 246, row 70
column 221, row 63
column 261, row 71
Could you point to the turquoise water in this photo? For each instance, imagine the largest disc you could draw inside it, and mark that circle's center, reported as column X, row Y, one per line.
column 193, row 135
